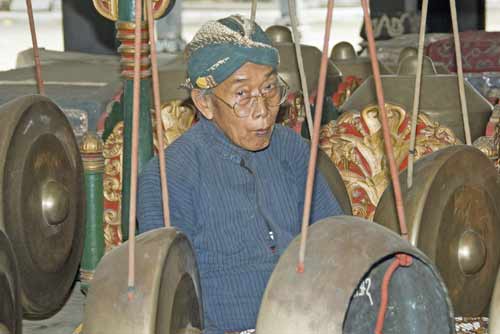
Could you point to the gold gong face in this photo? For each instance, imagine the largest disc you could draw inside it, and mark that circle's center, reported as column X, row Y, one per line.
column 167, row 289
column 453, row 213
column 42, row 191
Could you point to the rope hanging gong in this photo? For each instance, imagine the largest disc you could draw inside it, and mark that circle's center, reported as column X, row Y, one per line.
column 315, row 139
column 36, row 53
column 292, row 9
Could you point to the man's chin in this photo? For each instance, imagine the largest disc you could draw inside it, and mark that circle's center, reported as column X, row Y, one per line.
column 258, row 146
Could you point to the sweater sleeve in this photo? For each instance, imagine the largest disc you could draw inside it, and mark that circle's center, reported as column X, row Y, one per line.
column 181, row 165
column 324, row 204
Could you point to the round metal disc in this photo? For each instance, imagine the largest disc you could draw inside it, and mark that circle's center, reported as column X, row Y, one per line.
column 453, row 216
column 346, row 259
column 42, row 193
column 334, row 179
column 10, row 304
column 167, row 295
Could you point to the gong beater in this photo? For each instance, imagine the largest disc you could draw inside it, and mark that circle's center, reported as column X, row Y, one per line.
column 288, row 68
column 453, row 215
column 167, row 296
column 439, row 99
column 10, row 298
column 41, row 201
column 339, row 291
column 335, row 182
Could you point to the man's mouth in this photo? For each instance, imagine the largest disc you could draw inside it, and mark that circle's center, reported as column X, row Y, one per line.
column 263, row 132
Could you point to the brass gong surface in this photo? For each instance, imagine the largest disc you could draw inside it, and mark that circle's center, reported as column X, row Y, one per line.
column 10, row 303
column 349, row 64
column 167, row 297
column 334, row 180
column 342, row 51
column 409, row 66
column 279, row 34
column 453, row 216
column 41, row 186
column 341, row 252
column 407, row 51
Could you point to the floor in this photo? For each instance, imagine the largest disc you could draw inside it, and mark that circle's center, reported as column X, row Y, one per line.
column 64, row 322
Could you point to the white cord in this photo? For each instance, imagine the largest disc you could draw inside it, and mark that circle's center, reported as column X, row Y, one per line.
column 292, row 9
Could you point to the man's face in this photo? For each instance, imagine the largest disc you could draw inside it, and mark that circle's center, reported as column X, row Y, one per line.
column 250, row 123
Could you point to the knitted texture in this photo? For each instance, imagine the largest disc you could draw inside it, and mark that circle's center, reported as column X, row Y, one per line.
column 227, row 201
column 221, row 47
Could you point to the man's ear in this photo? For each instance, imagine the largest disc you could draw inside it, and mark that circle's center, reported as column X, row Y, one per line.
column 203, row 103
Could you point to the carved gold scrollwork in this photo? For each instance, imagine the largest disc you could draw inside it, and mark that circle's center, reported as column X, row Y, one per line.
column 112, row 189
column 176, row 119
column 107, row 8
column 355, row 144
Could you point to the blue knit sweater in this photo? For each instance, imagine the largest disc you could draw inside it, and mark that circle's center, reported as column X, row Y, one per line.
column 239, row 209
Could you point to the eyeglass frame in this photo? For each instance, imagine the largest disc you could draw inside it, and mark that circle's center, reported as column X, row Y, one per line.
column 282, row 84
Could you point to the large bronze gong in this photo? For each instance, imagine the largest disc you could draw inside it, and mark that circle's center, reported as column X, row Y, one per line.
column 281, row 38
column 339, row 291
column 41, row 200
column 334, row 180
column 10, row 303
column 167, row 290
column 453, row 216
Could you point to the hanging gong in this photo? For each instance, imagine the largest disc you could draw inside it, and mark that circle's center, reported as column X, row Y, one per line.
column 10, row 299
column 453, row 216
column 167, row 297
column 439, row 99
column 41, row 188
column 494, row 318
column 345, row 59
column 334, row 180
column 288, row 68
column 339, row 291
column 410, row 51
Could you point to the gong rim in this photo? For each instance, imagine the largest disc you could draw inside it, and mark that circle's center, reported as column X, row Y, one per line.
column 332, row 176
column 10, row 305
column 183, row 307
column 165, row 273
column 453, row 217
column 317, row 300
column 42, row 187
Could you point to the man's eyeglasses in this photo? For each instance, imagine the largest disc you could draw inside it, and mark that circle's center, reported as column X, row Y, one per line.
column 273, row 95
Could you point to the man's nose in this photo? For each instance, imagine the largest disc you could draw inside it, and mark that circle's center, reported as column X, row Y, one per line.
column 259, row 109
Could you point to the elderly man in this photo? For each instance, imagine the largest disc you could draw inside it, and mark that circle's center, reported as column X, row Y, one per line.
column 236, row 180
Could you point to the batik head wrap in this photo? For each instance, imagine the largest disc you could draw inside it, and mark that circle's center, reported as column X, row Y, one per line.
column 221, row 47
